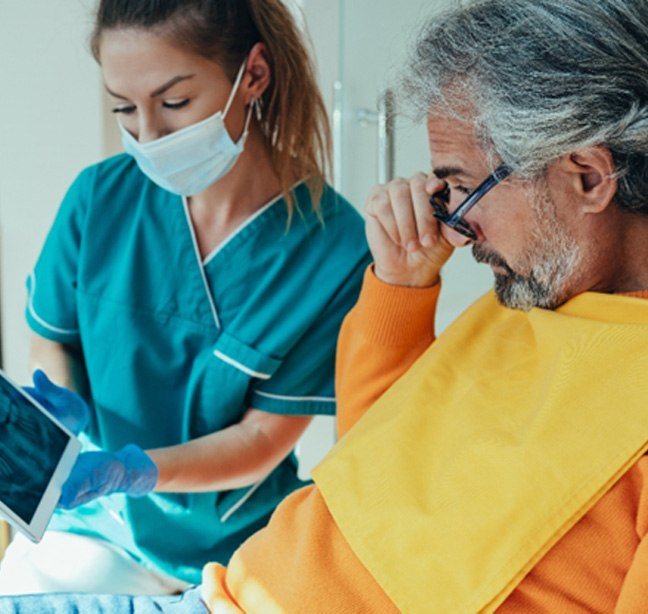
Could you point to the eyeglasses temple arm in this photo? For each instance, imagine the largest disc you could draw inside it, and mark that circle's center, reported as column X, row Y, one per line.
column 497, row 176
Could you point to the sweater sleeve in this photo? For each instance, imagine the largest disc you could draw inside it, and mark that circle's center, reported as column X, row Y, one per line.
column 633, row 597
column 380, row 339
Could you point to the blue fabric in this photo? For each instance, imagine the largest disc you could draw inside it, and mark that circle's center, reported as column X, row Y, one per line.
column 62, row 603
column 119, row 279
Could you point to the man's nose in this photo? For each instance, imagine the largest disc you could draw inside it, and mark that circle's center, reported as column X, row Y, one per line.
column 456, row 239
column 434, row 185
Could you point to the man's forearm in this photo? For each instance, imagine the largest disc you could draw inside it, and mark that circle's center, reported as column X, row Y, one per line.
column 384, row 334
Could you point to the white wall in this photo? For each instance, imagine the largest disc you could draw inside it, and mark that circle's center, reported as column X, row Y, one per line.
column 321, row 20
column 50, row 128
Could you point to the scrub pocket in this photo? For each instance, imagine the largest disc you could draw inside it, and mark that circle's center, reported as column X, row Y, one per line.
column 244, row 358
column 231, row 371
column 223, row 379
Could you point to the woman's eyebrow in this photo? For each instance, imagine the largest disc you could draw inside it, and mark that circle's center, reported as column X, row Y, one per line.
column 160, row 90
column 169, row 84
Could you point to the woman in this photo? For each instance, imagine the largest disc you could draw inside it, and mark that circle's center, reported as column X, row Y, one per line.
column 192, row 289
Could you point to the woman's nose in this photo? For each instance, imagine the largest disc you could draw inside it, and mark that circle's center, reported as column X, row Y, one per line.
column 146, row 136
column 148, row 131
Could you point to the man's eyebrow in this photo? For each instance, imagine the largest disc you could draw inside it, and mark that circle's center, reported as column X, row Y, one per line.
column 451, row 171
column 160, row 90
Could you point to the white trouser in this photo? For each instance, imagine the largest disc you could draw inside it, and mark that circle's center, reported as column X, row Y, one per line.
column 69, row 563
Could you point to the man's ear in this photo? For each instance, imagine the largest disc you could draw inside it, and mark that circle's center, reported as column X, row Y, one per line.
column 592, row 175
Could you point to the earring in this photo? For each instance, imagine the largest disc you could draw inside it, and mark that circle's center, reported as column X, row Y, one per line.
column 258, row 108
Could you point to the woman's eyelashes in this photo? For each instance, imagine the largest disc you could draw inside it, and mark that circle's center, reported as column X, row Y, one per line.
column 173, row 104
column 126, row 110
column 170, row 104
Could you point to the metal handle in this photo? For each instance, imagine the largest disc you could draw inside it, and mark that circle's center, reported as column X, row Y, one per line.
column 385, row 119
column 386, row 136
column 338, row 135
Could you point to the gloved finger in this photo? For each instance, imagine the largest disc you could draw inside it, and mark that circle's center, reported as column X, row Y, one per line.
column 71, row 496
column 56, row 411
column 37, row 396
column 46, row 386
column 140, row 471
column 64, row 404
column 95, row 474
column 90, row 478
column 72, row 419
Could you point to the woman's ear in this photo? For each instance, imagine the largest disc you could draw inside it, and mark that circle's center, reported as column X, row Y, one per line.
column 592, row 177
column 258, row 74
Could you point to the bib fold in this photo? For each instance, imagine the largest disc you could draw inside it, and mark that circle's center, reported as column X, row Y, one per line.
column 490, row 448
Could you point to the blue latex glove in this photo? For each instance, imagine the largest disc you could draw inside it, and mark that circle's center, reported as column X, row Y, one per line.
column 130, row 471
column 66, row 406
column 95, row 474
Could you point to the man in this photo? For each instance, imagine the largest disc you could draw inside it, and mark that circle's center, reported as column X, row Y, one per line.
column 500, row 466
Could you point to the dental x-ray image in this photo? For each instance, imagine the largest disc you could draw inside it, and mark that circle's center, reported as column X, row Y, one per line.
column 31, row 446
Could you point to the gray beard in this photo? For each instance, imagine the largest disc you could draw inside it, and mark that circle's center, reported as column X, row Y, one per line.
column 551, row 259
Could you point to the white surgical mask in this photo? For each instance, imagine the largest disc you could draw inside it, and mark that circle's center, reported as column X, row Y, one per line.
column 188, row 161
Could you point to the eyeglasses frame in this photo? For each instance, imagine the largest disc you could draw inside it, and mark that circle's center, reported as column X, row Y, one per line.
column 456, row 220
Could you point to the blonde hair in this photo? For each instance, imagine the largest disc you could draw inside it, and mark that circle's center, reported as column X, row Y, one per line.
column 294, row 120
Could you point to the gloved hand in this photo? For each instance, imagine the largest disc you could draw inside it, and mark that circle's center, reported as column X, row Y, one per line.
column 66, row 406
column 130, row 471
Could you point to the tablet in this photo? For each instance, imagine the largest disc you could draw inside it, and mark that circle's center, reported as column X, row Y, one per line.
column 36, row 456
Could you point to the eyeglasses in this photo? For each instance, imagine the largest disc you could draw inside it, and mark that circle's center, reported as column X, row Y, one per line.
column 456, row 220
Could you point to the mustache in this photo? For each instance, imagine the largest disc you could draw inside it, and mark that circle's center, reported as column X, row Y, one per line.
column 484, row 256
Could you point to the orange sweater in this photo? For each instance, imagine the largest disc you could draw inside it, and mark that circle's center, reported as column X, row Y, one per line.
column 301, row 562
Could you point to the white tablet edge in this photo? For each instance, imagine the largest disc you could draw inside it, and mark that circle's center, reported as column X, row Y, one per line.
column 35, row 529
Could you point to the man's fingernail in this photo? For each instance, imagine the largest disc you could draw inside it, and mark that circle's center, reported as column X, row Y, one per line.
column 427, row 241
column 412, row 246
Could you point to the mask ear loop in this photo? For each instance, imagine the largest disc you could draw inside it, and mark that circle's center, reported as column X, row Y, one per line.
column 237, row 84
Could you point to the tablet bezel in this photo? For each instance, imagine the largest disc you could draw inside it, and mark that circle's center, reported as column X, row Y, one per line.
column 35, row 529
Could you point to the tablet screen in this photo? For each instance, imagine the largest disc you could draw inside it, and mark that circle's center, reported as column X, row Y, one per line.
column 31, row 446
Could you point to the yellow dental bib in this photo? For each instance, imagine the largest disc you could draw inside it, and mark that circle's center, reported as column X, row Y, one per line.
column 490, row 448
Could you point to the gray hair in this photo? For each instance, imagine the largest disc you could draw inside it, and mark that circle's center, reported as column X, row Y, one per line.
column 545, row 78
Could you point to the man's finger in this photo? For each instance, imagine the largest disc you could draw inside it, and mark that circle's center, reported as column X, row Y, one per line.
column 401, row 201
column 379, row 207
column 427, row 225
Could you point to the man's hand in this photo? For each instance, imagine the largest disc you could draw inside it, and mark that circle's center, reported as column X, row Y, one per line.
column 404, row 237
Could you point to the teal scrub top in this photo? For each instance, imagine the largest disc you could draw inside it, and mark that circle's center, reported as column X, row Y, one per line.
column 176, row 347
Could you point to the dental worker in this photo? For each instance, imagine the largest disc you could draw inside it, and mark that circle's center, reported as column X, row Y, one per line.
column 191, row 290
